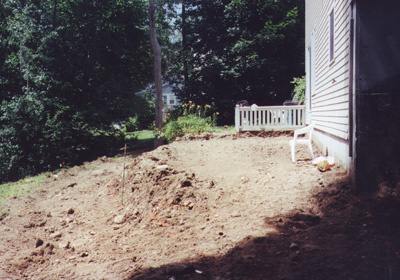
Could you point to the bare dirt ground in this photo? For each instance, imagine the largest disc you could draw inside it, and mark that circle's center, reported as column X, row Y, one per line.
column 221, row 207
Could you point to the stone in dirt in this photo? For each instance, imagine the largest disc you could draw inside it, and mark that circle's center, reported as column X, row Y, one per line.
column 235, row 214
column 57, row 234
column 71, row 211
column 39, row 242
column 72, row 185
column 120, row 219
column 294, row 246
column 65, row 245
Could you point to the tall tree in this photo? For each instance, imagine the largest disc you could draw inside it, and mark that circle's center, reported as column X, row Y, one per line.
column 157, row 68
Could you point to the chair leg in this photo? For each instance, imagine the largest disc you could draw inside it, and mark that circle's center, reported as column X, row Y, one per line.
column 310, row 150
column 292, row 148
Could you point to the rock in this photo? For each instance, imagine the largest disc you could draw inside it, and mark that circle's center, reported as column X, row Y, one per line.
column 120, row 219
column 39, row 242
column 186, row 184
column 294, row 246
column 84, row 254
column 71, row 211
column 57, row 234
column 3, row 216
column 235, row 214
column 64, row 245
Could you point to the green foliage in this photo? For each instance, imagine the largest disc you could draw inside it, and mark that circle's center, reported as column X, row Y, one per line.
column 239, row 49
column 191, row 124
column 189, row 119
column 299, row 92
column 143, row 108
column 131, row 124
column 68, row 70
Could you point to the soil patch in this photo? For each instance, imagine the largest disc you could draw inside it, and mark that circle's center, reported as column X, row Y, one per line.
column 208, row 207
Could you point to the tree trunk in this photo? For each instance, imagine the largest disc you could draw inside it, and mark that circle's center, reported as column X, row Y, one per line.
column 157, row 70
column 184, row 47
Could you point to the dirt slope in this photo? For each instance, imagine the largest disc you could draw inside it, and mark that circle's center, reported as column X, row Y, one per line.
column 210, row 208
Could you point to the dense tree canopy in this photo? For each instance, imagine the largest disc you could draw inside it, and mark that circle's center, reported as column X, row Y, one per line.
column 68, row 69
column 240, row 49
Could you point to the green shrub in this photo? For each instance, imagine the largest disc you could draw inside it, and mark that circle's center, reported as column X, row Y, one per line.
column 299, row 92
column 189, row 119
column 131, row 124
column 37, row 135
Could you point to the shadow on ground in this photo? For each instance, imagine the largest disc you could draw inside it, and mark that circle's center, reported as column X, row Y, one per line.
column 351, row 238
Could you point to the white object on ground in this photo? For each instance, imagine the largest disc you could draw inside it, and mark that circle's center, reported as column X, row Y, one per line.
column 330, row 159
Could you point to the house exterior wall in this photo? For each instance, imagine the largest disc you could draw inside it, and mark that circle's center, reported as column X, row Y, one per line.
column 327, row 95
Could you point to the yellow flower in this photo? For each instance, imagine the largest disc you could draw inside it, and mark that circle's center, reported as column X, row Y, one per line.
column 208, row 106
column 217, row 113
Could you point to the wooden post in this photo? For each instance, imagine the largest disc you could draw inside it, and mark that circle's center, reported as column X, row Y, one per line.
column 237, row 118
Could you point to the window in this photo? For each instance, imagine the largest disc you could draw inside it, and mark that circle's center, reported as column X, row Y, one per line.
column 171, row 101
column 332, row 35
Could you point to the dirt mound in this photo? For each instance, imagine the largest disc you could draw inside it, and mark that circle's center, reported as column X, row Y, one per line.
column 155, row 194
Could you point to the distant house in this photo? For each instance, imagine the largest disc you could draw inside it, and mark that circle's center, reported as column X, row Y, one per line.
column 169, row 98
column 353, row 86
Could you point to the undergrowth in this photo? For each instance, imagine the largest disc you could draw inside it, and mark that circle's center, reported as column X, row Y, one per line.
column 189, row 119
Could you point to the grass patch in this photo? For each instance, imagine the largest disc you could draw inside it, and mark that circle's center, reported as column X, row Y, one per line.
column 145, row 135
column 22, row 187
column 225, row 129
column 141, row 138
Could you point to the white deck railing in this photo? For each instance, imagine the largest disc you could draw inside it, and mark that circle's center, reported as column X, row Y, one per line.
column 258, row 118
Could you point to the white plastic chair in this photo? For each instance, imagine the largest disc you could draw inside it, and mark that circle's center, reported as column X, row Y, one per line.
column 307, row 141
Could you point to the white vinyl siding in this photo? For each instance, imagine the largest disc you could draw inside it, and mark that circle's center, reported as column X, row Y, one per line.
column 330, row 97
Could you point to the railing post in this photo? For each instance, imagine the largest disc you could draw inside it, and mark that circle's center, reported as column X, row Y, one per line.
column 237, row 118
